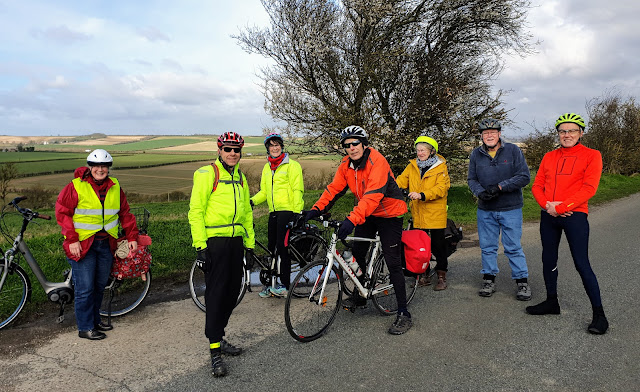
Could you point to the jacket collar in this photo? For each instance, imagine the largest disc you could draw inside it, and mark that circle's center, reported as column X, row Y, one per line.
column 362, row 162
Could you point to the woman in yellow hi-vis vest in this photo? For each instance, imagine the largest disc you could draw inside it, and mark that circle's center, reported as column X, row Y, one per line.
column 89, row 211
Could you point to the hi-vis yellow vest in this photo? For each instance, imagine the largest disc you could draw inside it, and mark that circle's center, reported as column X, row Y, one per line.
column 90, row 216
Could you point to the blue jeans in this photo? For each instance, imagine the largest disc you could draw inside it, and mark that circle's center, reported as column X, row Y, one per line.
column 490, row 224
column 90, row 276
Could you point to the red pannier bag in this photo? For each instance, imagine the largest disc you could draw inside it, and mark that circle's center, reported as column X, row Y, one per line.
column 134, row 264
column 417, row 250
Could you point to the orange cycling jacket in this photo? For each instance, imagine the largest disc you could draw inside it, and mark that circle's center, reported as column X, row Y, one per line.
column 569, row 175
column 373, row 185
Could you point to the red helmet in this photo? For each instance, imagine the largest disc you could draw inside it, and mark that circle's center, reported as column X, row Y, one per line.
column 231, row 139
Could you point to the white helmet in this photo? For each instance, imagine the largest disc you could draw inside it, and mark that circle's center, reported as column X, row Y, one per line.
column 99, row 157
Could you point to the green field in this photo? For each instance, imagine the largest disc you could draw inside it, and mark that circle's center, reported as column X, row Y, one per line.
column 143, row 145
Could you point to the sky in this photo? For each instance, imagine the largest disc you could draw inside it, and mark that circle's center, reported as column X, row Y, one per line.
column 172, row 67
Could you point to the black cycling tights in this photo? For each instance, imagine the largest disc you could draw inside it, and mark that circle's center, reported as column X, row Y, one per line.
column 390, row 230
column 576, row 229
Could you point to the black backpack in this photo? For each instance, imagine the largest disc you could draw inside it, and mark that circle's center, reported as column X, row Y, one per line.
column 452, row 236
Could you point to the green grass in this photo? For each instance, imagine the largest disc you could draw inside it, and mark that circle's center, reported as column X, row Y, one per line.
column 122, row 161
column 143, row 145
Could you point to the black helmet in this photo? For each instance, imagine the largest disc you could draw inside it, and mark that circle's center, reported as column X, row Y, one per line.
column 354, row 131
column 489, row 123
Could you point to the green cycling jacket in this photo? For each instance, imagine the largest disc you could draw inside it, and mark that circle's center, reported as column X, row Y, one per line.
column 223, row 213
column 282, row 188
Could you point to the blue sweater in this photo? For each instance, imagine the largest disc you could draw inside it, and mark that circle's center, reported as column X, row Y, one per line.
column 508, row 169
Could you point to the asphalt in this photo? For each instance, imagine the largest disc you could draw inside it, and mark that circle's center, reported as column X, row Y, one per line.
column 459, row 342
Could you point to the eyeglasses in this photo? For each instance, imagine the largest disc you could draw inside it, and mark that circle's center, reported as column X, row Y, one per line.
column 568, row 131
column 234, row 149
column 354, row 143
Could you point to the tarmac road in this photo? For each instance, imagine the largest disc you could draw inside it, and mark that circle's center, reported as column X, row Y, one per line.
column 459, row 342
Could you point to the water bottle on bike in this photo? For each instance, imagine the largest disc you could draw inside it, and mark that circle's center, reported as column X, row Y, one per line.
column 351, row 262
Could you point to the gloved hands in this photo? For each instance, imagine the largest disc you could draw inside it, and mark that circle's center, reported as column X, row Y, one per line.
column 484, row 195
column 202, row 259
column 493, row 189
column 311, row 214
column 249, row 254
column 346, row 227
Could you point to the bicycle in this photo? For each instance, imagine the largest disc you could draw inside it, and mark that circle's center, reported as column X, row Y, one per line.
column 15, row 285
column 305, row 244
column 318, row 288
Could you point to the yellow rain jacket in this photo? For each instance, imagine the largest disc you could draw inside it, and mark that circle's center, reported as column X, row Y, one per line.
column 432, row 212
column 223, row 213
column 282, row 188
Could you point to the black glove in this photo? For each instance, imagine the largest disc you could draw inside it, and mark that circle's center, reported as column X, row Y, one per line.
column 346, row 227
column 493, row 189
column 202, row 259
column 484, row 195
column 249, row 254
column 311, row 214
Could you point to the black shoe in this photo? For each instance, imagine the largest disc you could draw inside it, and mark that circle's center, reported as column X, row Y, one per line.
column 354, row 301
column 92, row 335
column 545, row 307
column 402, row 324
column 103, row 327
column 218, row 367
column 229, row 349
column 599, row 325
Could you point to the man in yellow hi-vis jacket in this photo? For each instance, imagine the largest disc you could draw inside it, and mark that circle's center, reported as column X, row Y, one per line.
column 221, row 227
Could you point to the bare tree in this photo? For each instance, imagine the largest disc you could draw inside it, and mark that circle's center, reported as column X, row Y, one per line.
column 614, row 130
column 8, row 172
column 399, row 68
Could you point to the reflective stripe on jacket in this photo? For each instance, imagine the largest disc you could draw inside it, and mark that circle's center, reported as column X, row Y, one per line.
column 90, row 216
column 223, row 213
column 281, row 188
column 430, row 213
column 373, row 185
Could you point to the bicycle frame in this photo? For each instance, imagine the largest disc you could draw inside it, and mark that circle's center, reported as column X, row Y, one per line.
column 50, row 288
column 333, row 256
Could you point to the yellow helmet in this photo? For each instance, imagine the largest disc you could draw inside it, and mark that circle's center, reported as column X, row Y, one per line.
column 426, row 139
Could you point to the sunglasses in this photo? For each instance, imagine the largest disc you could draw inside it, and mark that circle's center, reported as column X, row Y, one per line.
column 347, row 145
column 234, row 149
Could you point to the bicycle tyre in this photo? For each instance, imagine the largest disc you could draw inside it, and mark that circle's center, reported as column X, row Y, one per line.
column 14, row 293
column 127, row 294
column 305, row 249
column 385, row 301
column 197, row 286
column 307, row 317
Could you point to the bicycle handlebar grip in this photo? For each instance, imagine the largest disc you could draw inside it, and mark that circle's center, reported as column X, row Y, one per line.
column 45, row 217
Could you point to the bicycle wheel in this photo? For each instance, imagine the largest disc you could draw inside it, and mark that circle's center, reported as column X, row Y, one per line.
column 308, row 317
column 197, row 286
column 125, row 295
column 307, row 248
column 384, row 295
column 14, row 293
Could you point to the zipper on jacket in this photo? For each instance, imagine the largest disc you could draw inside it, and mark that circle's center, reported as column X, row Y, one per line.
column 273, row 200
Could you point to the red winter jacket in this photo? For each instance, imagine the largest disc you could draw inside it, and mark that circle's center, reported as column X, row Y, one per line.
column 67, row 203
column 570, row 175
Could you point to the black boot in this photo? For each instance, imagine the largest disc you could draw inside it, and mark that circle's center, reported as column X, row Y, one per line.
column 548, row 306
column 599, row 325
column 218, row 367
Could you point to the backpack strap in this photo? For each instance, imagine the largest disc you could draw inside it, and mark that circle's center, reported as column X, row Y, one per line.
column 216, row 179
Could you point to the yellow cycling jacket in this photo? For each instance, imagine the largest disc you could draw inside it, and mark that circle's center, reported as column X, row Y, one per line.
column 223, row 213
column 432, row 212
column 282, row 188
